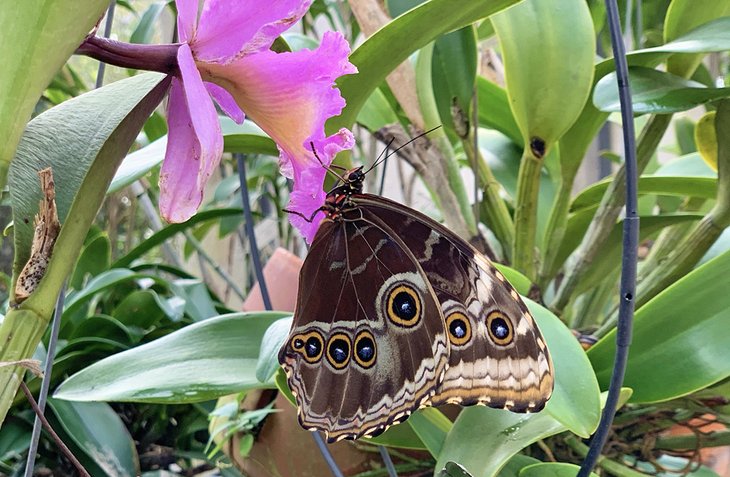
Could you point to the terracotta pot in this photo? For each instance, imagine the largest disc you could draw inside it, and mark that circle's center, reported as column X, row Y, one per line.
column 716, row 458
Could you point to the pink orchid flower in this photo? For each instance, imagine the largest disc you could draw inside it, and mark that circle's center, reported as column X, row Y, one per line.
column 225, row 56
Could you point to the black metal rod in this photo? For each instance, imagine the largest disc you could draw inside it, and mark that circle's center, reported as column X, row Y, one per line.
column 107, row 34
column 46, row 382
column 630, row 245
column 253, row 248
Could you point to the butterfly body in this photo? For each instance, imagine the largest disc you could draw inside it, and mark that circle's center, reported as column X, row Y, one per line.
column 394, row 313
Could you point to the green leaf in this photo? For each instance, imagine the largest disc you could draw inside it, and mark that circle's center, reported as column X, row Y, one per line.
column 100, row 434
column 271, row 343
column 43, row 34
column 198, row 302
column 679, row 338
column 101, row 282
column 680, row 186
column 141, row 309
column 655, row 92
column 138, row 163
column 551, row 469
column 200, row 362
column 83, row 140
column 483, row 439
column 146, row 27
column 431, row 427
column 452, row 469
column 382, row 52
column 494, row 110
column 453, row 69
column 558, row 36
column 376, row 112
column 516, row 464
column 575, row 401
column 160, row 236
column 94, row 259
column 246, row 138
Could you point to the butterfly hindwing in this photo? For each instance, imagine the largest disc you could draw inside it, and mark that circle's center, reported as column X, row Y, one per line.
column 368, row 344
column 497, row 355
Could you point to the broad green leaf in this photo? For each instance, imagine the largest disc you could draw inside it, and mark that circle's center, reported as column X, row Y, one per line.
column 100, row 434
column 141, row 309
column 246, row 138
column 683, row 16
column 690, row 165
column 14, row 438
column 494, row 110
column 575, row 400
column 83, row 140
column 102, row 326
column 200, row 362
column 145, row 29
column 453, row 69
column 377, row 56
column 680, row 186
column 376, row 112
column 94, row 259
column 99, row 283
column 679, row 338
column 38, row 36
column 483, row 439
column 551, row 469
column 431, row 427
column 271, row 343
column 139, row 163
column 452, row 469
column 159, row 237
column 558, row 36
column 655, row 92
column 513, row 467
column 521, row 283
column 198, row 302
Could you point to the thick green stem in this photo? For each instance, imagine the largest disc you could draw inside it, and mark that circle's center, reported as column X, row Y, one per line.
column 524, row 253
column 20, row 333
column 609, row 210
column 610, row 466
column 555, row 232
column 498, row 217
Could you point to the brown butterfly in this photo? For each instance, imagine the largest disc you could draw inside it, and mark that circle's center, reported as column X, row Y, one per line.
column 395, row 313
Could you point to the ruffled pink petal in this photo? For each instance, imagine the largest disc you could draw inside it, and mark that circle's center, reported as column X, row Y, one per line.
column 232, row 28
column 290, row 96
column 307, row 194
column 187, row 16
column 195, row 143
column 225, row 101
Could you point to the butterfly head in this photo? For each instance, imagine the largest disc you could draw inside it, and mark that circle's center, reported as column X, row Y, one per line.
column 353, row 179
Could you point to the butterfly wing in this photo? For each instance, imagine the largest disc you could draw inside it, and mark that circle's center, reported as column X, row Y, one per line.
column 368, row 345
column 497, row 354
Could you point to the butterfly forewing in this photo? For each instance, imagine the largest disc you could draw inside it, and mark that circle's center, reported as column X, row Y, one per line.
column 497, row 354
column 368, row 344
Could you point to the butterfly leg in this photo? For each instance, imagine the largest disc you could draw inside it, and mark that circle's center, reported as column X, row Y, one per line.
column 311, row 217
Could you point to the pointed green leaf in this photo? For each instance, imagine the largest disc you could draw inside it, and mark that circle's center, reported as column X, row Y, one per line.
column 679, row 340
column 200, row 362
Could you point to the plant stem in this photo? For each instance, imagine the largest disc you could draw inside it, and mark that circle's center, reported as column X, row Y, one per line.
column 555, row 231
column 162, row 58
column 608, row 211
column 497, row 214
column 610, row 466
column 524, row 253
column 204, row 256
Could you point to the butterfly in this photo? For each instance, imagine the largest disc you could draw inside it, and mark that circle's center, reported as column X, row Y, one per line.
column 395, row 313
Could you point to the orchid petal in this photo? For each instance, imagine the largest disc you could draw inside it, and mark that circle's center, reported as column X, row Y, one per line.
column 290, row 96
column 187, row 15
column 226, row 102
column 195, row 143
column 232, row 28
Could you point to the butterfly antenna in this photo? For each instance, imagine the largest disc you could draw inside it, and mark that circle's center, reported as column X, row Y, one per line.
column 382, row 157
column 329, row 169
